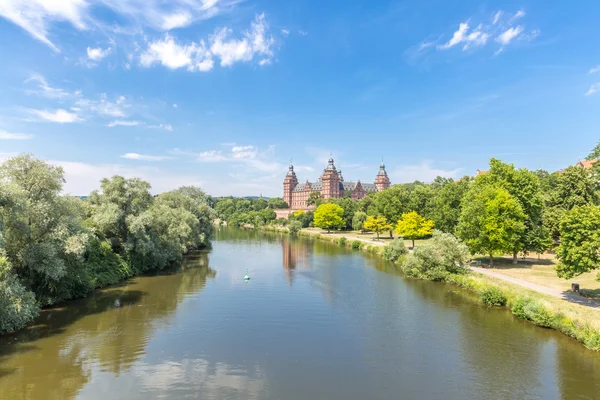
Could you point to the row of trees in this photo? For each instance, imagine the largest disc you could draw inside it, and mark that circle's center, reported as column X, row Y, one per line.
column 252, row 211
column 55, row 247
column 506, row 210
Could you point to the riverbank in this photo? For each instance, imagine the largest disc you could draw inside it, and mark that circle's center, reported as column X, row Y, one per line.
column 579, row 321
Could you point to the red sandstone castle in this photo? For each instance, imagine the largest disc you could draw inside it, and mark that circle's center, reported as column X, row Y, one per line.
column 331, row 185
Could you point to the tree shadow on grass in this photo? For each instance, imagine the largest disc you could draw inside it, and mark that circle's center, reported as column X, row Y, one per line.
column 507, row 263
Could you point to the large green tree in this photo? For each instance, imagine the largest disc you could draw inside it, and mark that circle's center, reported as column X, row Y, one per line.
column 491, row 221
column 447, row 204
column 329, row 216
column 524, row 186
column 391, row 203
column 44, row 238
column 578, row 251
column 377, row 224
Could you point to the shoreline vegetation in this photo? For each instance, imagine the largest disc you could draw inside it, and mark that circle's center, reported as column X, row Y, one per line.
column 576, row 321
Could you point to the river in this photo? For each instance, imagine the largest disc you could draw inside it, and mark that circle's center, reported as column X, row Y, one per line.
column 315, row 321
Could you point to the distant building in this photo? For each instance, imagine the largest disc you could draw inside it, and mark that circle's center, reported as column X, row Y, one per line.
column 331, row 184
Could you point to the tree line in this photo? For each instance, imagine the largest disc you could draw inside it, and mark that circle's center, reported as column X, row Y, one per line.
column 505, row 210
column 55, row 247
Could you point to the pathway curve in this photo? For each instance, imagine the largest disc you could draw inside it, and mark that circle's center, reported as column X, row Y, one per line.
column 564, row 295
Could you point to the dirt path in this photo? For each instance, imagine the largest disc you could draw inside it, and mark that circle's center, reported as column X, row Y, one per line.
column 564, row 295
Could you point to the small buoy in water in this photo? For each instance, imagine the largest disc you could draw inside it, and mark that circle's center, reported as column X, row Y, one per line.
column 246, row 277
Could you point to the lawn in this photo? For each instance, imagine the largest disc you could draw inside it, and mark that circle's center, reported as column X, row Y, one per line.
column 541, row 271
column 384, row 238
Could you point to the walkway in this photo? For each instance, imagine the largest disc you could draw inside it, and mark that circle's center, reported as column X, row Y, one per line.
column 564, row 295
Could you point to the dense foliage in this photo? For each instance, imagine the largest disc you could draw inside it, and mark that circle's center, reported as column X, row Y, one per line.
column 238, row 211
column 329, row 216
column 55, row 247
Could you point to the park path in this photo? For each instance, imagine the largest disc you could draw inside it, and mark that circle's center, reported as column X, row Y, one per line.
column 564, row 295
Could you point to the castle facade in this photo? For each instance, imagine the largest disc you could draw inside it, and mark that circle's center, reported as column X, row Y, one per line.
column 331, row 184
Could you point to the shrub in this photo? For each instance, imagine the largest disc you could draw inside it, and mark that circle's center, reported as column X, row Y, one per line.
column 342, row 241
column 437, row 259
column 534, row 311
column 18, row 306
column 356, row 244
column 394, row 250
column 492, row 296
column 295, row 227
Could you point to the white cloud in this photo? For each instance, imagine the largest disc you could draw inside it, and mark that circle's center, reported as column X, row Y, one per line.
column 166, row 127
column 60, row 116
column 458, row 36
column 177, row 20
column 37, row 16
column 497, row 17
column 122, row 123
column 285, row 32
column 45, row 90
column 175, row 106
column 595, row 88
column 4, row 135
column 143, row 157
column 508, row 35
column 98, row 53
column 198, row 56
column 423, row 172
column 104, row 107
column 302, row 33
column 211, row 156
column 501, row 29
column 595, row 69
column 519, row 14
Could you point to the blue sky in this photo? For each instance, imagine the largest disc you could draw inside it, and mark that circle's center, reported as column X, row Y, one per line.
column 222, row 93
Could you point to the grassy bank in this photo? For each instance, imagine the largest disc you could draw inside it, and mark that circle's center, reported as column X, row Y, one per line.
column 579, row 322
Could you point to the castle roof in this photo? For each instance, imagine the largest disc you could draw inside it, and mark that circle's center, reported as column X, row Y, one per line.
column 345, row 186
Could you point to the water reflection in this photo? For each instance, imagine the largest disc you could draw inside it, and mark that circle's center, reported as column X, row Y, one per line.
column 107, row 331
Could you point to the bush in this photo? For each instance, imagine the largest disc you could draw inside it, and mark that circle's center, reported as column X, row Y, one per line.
column 356, row 244
column 295, row 227
column 342, row 241
column 394, row 250
column 493, row 296
column 18, row 306
column 534, row 311
column 437, row 259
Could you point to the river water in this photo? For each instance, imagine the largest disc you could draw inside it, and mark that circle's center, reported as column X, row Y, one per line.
column 315, row 321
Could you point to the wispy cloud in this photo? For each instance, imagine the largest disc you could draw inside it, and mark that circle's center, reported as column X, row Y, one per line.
column 255, row 44
column 595, row 88
column 37, row 17
column 96, row 54
column 44, row 89
column 143, row 157
column 166, row 127
column 594, row 70
column 4, row 135
column 122, row 123
column 60, row 116
column 502, row 28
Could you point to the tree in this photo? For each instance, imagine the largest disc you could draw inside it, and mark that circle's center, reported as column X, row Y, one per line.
column 377, row 224
column 314, row 199
column 523, row 186
column 44, row 238
column 579, row 241
column 358, row 220
column 391, row 203
column 447, row 205
column 329, row 216
column 295, row 227
column 413, row 226
column 349, row 207
column 277, row 202
column 422, row 198
column 595, row 153
column 491, row 221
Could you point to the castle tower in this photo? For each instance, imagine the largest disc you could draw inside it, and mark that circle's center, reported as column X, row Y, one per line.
column 381, row 180
column 289, row 183
column 331, row 182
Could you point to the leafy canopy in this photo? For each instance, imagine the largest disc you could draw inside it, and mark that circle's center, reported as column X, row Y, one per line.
column 377, row 224
column 329, row 216
column 413, row 226
column 580, row 241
